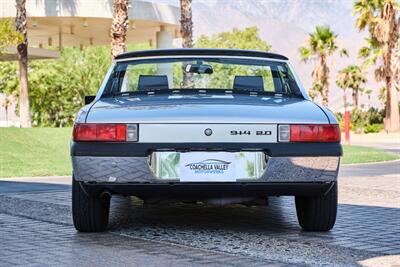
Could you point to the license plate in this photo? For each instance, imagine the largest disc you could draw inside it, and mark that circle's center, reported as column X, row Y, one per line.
column 207, row 167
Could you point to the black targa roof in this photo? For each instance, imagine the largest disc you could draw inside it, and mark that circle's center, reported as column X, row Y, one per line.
column 200, row 51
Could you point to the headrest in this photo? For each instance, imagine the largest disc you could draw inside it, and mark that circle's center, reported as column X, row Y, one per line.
column 250, row 83
column 153, row 82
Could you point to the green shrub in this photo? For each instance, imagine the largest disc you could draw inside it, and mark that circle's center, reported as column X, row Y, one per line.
column 340, row 117
column 373, row 128
column 358, row 120
column 369, row 121
column 57, row 87
column 375, row 116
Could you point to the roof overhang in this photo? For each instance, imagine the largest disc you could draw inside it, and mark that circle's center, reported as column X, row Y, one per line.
column 81, row 23
column 33, row 53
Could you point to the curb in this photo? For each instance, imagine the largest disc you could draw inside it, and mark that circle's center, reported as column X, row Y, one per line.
column 371, row 163
column 35, row 177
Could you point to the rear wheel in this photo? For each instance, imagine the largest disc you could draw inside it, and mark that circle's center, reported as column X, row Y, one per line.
column 318, row 213
column 89, row 213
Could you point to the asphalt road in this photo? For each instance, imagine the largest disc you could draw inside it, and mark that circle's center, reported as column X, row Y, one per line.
column 36, row 228
column 20, row 187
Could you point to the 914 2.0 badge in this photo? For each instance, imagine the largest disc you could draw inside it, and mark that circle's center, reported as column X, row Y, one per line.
column 234, row 132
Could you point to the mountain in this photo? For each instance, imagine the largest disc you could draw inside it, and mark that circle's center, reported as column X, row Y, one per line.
column 285, row 25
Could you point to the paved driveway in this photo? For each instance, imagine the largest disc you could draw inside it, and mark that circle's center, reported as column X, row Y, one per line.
column 36, row 229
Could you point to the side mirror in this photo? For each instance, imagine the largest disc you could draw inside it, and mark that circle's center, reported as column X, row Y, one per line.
column 89, row 99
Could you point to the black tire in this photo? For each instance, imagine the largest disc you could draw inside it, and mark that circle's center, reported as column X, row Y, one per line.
column 318, row 213
column 89, row 213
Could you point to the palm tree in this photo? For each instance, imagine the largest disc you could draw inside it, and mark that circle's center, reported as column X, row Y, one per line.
column 6, row 105
column 187, row 35
column 351, row 77
column 119, row 27
column 320, row 44
column 379, row 17
column 368, row 92
column 382, row 94
column 22, row 49
column 186, row 23
column 341, row 81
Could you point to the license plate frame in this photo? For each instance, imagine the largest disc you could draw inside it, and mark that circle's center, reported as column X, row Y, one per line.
column 207, row 167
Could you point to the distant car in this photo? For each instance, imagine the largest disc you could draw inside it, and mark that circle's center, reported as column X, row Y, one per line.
column 215, row 126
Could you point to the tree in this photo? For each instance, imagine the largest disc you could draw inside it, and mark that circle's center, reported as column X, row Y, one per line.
column 382, row 96
column 6, row 104
column 247, row 38
column 368, row 92
column 351, row 77
column 57, row 87
column 320, row 44
column 186, row 23
column 379, row 17
column 8, row 34
column 22, row 49
column 187, row 36
column 119, row 27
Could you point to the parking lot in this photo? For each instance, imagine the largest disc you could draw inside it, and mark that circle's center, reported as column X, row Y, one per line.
column 36, row 228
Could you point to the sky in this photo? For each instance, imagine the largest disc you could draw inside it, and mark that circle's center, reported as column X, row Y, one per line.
column 285, row 25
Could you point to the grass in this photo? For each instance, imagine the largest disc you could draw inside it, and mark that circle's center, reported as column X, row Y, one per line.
column 34, row 152
column 45, row 151
column 359, row 154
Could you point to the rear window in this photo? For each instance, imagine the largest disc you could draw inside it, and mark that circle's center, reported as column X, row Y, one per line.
column 202, row 73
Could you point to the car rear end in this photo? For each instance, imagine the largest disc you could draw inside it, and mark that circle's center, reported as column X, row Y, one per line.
column 209, row 146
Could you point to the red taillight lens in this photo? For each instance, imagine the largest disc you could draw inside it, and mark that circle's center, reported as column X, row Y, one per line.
column 315, row 133
column 330, row 133
column 99, row 132
column 84, row 132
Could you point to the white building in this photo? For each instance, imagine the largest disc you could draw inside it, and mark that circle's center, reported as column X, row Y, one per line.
column 79, row 23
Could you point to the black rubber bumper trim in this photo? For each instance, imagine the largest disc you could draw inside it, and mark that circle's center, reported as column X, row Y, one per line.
column 211, row 189
column 115, row 149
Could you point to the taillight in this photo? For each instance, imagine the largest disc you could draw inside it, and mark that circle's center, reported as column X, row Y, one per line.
column 108, row 132
column 309, row 133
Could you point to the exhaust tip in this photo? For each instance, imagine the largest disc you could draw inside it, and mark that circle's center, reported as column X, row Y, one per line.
column 106, row 195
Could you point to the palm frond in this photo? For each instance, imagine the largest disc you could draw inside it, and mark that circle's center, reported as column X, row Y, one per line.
column 305, row 53
column 380, row 73
column 366, row 10
column 364, row 52
column 344, row 52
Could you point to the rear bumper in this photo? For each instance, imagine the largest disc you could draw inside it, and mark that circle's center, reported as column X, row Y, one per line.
column 122, row 170
column 102, row 162
column 209, row 190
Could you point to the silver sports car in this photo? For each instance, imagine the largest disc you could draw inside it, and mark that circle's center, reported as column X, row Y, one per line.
column 212, row 126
